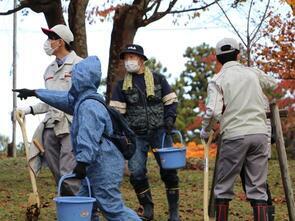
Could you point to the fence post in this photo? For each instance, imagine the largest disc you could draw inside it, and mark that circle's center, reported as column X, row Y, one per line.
column 287, row 184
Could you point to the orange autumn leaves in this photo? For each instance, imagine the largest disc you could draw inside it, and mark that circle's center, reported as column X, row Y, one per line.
column 194, row 150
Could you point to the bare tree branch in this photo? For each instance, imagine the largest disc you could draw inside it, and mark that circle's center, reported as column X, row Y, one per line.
column 158, row 15
column 236, row 31
column 194, row 9
column 157, row 7
column 261, row 22
column 150, row 7
column 257, row 25
column 253, row 42
column 248, row 22
column 18, row 8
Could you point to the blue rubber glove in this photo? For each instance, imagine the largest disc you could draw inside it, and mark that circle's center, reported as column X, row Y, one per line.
column 80, row 170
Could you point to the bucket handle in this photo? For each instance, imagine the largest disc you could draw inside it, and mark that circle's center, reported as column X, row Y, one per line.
column 61, row 180
column 172, row 132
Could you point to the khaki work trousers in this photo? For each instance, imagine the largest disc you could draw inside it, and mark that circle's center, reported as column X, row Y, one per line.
column 250, row 151
column 60, row 159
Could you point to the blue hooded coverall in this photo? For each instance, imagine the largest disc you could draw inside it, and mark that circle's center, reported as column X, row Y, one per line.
column 90, row 121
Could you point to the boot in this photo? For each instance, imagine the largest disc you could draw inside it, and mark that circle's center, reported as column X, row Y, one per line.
column 271, row 212
column 173, row 203
column 146, row 211
column 259, row 210
column 221, row 209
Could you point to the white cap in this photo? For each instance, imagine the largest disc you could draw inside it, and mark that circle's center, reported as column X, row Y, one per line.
column 230, row 42
column 62, row 31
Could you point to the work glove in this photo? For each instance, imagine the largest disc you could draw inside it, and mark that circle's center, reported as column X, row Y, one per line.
column 204, row 134
column 169, row 124
column 25, row 93
column 80, row 170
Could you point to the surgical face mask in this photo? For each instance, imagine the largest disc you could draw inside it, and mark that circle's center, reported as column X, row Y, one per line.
column 132, row 66
column 47, row 48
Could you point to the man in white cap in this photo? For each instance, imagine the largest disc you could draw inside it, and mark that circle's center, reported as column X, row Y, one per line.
column 56, row 134
column 236, row 100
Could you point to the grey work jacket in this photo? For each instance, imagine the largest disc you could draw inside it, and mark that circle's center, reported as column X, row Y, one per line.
column 236, row 99
column 57, row 78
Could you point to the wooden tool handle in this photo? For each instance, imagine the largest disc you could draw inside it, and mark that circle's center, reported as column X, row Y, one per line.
column 38, row 145
column 22, row 123
column 206, row 175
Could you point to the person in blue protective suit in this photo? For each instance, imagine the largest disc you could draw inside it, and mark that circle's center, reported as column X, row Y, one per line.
column 97, row 157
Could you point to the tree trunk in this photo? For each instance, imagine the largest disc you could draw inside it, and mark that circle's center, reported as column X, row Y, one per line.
column 124, row 30
column 77, row 10
column 283, row 161
column 52, row 11
column 248, row 51
column 10, row 150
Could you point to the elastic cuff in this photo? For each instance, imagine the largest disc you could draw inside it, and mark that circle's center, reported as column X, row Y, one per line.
column 222, row 200
column 32, row 110
column 254, row 202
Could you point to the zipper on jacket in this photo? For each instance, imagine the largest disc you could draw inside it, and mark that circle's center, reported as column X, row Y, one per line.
column 145, row 106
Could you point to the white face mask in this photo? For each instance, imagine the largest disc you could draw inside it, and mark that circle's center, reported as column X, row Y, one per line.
column 132, row 66
column 47, row 48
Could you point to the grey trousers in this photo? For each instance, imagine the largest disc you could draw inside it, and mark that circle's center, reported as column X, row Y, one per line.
column 250, row 150
column 60, row 159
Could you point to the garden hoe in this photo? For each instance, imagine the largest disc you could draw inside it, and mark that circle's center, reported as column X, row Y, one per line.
column 33, row 207
column 206, row 175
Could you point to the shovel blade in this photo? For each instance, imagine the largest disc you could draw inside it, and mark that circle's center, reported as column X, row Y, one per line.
column 33, row 208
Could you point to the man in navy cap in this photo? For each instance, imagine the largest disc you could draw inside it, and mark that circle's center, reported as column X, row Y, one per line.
column 149, row 105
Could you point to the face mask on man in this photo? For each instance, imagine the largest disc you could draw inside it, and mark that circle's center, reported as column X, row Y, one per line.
column 47, row 48
column 132, row 66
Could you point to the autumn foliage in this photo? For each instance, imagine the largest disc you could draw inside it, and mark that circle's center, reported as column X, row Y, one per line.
column 194, row 150
column 279, row 57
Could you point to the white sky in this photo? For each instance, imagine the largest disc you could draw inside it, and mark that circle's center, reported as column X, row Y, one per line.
column 162, row 40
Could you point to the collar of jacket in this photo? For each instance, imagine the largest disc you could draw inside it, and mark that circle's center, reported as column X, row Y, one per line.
column 230, row 64
column 70, row 59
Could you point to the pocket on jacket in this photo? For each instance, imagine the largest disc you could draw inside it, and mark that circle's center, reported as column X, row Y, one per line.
column 132, row 98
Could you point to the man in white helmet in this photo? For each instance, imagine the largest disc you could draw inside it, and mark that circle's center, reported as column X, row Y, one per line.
column 56, row 134
column 236, row 100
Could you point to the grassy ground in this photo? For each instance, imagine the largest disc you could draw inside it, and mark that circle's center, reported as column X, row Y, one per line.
column 15, row 187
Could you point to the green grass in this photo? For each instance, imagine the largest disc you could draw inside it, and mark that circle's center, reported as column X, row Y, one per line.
column 15, row 187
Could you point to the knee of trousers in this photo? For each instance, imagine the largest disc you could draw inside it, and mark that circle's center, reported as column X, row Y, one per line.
column 139, row 183
column 170, row 178
column 137, row 168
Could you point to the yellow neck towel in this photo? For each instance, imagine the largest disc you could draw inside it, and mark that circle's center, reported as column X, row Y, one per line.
column 148, row 78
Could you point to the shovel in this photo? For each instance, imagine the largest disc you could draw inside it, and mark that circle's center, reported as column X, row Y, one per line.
column 206, row 175
column 33, row 207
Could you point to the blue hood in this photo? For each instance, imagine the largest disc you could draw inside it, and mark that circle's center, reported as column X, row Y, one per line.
column 86, row 77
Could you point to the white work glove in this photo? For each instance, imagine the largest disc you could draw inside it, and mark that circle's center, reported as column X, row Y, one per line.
column 204, row 134
column 24, row 110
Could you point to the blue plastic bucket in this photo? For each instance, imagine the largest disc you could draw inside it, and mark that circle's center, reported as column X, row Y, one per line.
column 171, row 157
column 73, row 208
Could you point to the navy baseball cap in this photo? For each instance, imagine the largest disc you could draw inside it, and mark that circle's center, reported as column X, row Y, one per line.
column 133, row 49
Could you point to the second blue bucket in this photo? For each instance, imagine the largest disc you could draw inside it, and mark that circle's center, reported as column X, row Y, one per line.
column 171, row 157
column 73, row 208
